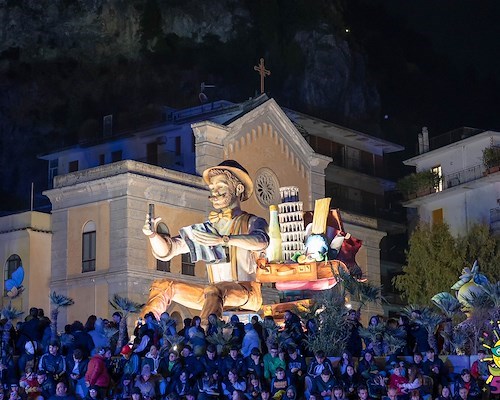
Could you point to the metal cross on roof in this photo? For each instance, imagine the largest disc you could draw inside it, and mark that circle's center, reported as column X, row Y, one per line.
column 263, row 72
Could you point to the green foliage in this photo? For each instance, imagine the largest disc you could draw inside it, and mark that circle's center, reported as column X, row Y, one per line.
column 60, row 300
column 11, row 313
column 491, row 156
column 334, row 329
column 433, row 264
column 417, row 181
column 478, row 244
column 125, row 305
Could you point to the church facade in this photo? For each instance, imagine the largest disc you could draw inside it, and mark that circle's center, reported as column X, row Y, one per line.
column 102, row 191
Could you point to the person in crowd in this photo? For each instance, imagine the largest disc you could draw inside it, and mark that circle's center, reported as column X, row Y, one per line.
column 418, row 361
column 415, row 395
column 173, row 369
column 184, row 331
column 354, row 344
column 397, row 379
column 153, row 359
column 15, row 392
column 123, row 391
column 182, row 385
column 191, row 364
column 197, row 340
column 293, row 329
column 316, row 366
column 392, row 393
column 290, row 393
column 418, row 332
column 233, row 382
column 209, row 386
column 238, row 329
column 213, row 325
column 93, row 394
column 465, row 380
column 363, row 393
column 29, row 384
column 136, row 394
column 404, row 325
column 350, row 380
column 62, row 392
column 52, row 362
column 97, row 374
column 345, row 360
column 373, row 322
column 90, row 324
column 98, row 335
column 250, row 340
column 76, row 368
column 30, row 330
column 324, row 384
column 272, row 361
column 445, row 394
column 238, row 395
column 210, row 361
column 233, row 361
column 296, row 367
column 279, row 382
column 254, row 387
column 257, row 325
column 145, row 382
column 46, row 387
column 28, row 357
column 434, row 367
column 130, row 362
column 367, row 366
column 415, row 380
column 338, row 393
column 462, row 394
column 254, row 364
column 265, row 394
column 83, row 340
column 479, row 369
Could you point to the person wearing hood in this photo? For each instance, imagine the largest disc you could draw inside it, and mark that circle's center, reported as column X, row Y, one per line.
column 250, row 340
column 290, row 393
column 97, row 374
column 98, row 336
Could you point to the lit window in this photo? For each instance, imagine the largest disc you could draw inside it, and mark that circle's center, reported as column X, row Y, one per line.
column 89, row 247
column 12, row 263
column 437, row 170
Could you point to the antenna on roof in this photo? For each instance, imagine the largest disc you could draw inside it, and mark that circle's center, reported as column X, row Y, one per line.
column 202, row 96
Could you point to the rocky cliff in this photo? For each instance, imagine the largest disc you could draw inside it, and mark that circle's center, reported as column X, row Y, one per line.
column 66, row 63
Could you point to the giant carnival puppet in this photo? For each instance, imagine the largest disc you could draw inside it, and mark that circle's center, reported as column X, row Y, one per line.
column 232, row 241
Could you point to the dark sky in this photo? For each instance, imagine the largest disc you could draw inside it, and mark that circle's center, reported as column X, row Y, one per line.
column 466, row 31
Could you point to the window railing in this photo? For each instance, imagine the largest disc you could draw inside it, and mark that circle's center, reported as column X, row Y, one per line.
column 463, row 176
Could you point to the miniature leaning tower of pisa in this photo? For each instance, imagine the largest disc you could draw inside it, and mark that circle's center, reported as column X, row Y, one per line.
column 291, row 218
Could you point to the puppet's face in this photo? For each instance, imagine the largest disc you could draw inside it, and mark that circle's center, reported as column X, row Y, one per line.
column 223, row 192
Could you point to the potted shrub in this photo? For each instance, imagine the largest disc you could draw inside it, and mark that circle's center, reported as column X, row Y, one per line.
column 491, row 159
column 418, row 184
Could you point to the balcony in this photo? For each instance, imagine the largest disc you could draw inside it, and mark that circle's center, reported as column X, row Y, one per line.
column 464, row 176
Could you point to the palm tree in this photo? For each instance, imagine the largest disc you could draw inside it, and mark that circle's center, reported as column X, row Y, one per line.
column 57, row 301
column 10, row 314
column 429, row 319
column 450, row 307
column 360, row 292
column 125, row 307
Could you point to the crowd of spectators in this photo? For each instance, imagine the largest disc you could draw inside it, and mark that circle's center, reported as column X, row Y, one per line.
column 87, row 362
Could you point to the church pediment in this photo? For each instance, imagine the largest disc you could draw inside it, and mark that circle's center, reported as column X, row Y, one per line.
column 268, row 121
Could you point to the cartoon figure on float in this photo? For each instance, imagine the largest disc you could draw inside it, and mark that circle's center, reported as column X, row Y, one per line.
column 471, row 284
column 231, row 242
column 227, row 242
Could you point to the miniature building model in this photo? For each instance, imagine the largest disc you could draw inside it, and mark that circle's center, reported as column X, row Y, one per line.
column 291, row 218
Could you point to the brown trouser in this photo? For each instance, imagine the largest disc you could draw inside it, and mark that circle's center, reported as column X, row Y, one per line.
column 210, row 299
